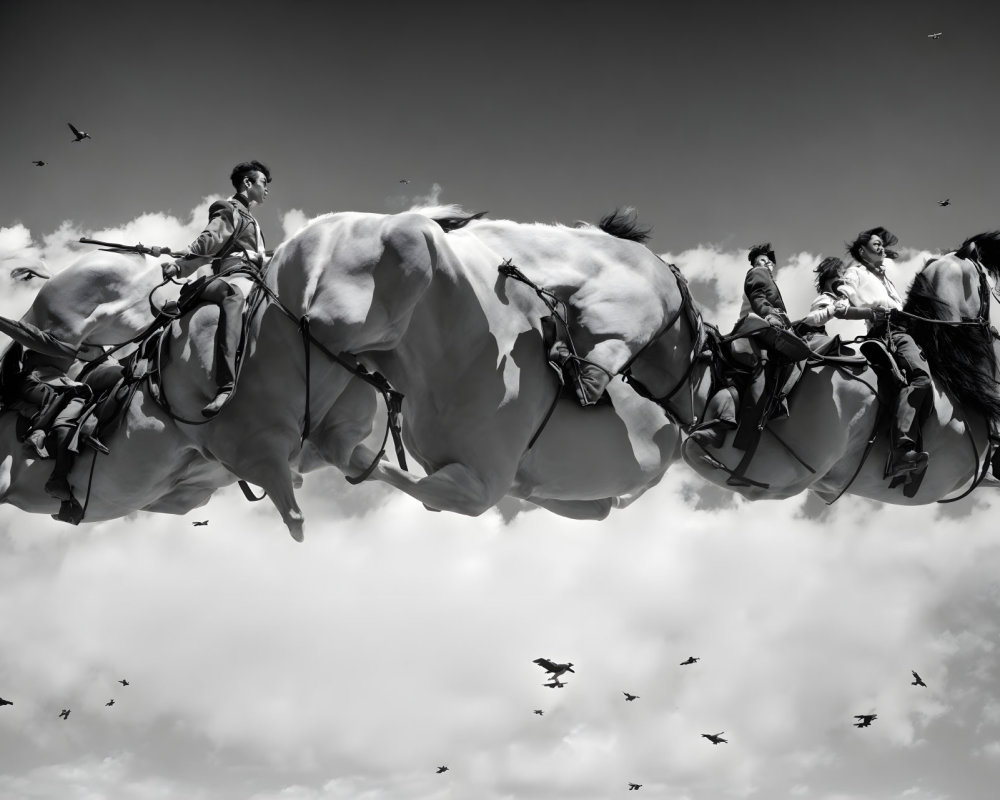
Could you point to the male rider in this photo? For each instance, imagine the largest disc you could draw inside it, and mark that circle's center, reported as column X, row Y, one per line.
column 232, row 242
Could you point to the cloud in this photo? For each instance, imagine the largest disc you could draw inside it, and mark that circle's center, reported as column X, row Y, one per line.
column 396, row 639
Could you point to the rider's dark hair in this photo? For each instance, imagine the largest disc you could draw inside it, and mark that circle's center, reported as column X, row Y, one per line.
column 762, row 249
column 888, row 240
column 828, row 271
column 244, row 168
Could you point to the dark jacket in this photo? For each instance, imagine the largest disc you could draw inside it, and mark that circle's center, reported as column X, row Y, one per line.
column 761, row 294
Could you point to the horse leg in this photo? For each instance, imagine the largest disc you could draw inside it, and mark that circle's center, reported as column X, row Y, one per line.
column 454, row 487
column 274, row 476
column 576, row 509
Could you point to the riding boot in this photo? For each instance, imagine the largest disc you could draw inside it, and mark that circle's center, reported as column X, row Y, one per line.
column 720, row 418
column 588, row 380
column 57, row 443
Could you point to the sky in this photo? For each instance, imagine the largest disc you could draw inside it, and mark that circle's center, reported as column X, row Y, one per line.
column 394, row 640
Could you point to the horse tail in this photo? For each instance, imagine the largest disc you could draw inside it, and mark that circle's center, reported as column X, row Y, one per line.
column 623, row 224
column 961, row 356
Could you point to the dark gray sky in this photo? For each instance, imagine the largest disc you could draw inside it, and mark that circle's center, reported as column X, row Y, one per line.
column 721, row 122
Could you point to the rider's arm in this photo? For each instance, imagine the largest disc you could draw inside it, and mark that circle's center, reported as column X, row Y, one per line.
column 210, row 241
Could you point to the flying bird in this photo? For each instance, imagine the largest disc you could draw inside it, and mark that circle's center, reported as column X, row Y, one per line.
column 634, row 786
column 539, row 711
column 123, row 682
column 917, row 680
column 196, row 523
column 866, row 720
column 5, row 702
column 716, row 738
column 110, row 702
column 404, row 180
column 39, row 163
column 945, row 202
column 934, row 35
column 441, row 769
column 554, row 684
column 630, row 697
column 551, row 666
column 80, row 135
column 690, row 660
column 64, row 713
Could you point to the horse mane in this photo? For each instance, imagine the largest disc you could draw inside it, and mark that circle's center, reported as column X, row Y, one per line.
column 623, row 223
column 984, row 248
column 961, row 357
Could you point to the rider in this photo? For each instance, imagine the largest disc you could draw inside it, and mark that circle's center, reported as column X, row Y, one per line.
column 761, row 297
column 52, row 402
column 232, row 239
column 830, row 303
column 866, row 286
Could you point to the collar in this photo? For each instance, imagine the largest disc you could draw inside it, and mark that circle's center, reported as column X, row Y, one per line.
column 241, row 200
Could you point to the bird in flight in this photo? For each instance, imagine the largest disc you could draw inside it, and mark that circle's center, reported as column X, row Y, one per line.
column 630, row 697
column 110, row 702
column 917, row 680
column 80, row 135
column 690, row 660
column 64, row 713
column 5, row 702
column 539, row 711
column 555, row 683
column 39, row 163
column 945, row 202
column 123, row 682
column 934, row 35
column 441, row 769
column 551, row 666
column 866, row 720
column 716, row 738
column 404, row 180
column 196, row 523
column 634, row 787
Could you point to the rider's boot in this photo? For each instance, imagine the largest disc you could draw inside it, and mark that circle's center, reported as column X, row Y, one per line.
column 906, row 459
column 588, row 380
column 57, row 443
column 720, row 418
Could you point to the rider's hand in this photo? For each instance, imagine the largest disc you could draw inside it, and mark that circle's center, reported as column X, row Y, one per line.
column 840, row 308
column 255, row 258
column 776, row 321
column 171, row 269
column 878, row 315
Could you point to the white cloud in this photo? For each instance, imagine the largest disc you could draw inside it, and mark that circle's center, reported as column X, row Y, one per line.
column 395, row 640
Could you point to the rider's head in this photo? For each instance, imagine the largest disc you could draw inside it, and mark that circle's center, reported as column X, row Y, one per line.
column 250, row 178
column 871, row 247
column 829, row 274
column 761, row 255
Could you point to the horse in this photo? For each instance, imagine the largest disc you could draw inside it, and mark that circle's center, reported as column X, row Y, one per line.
column 421, row 301
column 835, row 437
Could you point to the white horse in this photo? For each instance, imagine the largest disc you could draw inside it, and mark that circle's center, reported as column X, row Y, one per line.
column 429, row 310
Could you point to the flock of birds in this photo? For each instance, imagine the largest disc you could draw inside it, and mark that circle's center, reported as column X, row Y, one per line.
column 64, row 713
column 78, row 136
column 554, row 669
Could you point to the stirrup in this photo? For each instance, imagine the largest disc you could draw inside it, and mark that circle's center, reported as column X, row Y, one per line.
column 904, row 464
